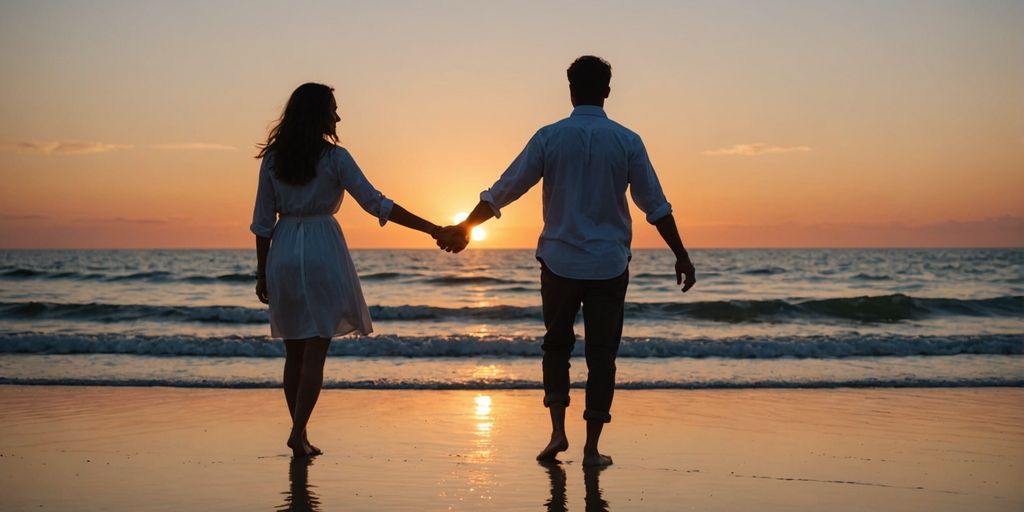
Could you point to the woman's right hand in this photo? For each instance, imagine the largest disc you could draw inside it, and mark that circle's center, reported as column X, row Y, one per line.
column 261, row 289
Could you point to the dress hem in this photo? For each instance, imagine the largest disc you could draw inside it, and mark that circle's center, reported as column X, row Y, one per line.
column 337, row 333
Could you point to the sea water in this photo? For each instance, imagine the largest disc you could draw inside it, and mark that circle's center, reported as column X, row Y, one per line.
column 756, row 318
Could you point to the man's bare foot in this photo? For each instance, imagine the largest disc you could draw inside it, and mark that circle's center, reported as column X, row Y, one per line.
column 559, row 443
column 596, row 459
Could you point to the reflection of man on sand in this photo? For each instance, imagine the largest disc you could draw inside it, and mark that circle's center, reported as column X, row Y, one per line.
column 594, row 498
column 591, row 482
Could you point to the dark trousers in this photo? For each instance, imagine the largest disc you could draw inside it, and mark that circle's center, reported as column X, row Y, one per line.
column 603, row 302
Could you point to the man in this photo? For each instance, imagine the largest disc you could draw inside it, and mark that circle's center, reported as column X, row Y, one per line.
column 587, row 162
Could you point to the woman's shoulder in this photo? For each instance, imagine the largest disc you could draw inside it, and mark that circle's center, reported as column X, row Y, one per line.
column 266, row 162
column 337, row 151
column 339, row 157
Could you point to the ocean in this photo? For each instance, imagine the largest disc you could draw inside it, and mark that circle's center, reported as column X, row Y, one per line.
column 800, row 318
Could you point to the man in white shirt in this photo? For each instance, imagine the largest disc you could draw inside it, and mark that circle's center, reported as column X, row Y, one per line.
column 587, row 162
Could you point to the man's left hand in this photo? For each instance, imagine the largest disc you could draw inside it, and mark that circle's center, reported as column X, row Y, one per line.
column 685, row 267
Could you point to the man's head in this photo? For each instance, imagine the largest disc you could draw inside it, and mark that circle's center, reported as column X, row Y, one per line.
column 589, row 77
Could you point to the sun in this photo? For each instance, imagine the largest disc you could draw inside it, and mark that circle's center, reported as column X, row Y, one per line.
column 477, row 233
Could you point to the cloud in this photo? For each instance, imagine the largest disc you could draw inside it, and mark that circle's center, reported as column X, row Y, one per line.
column 194, row 146
column 58, row 147
column 23, row 216
column 758, row 148
column 76, row 147
column 126, row 220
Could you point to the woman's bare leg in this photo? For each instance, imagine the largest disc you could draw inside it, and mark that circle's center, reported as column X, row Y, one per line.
column 292, row 370
column 294, row 350
column 311, row 379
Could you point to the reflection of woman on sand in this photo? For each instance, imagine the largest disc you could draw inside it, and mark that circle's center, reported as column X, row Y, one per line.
column 306, row 274
column 299, row 497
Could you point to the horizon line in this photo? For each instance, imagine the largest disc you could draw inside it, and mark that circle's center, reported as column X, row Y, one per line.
column 708, row 248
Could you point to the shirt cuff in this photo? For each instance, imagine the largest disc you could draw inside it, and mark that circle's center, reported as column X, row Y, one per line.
column 486, row 197
column 385, row 210
column 659, row 213
column 262, row 231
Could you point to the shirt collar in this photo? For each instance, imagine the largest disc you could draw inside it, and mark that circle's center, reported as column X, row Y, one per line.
column 589, row 110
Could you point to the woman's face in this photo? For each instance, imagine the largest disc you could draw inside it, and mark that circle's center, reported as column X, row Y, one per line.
column 333, row 119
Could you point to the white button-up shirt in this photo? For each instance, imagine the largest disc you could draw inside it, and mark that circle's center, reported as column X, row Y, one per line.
column 587, row 162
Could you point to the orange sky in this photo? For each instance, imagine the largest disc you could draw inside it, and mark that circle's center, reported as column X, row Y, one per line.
column 789, row 124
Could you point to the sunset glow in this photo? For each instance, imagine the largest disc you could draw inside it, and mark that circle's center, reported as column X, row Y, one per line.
column 769, row 124
column 476, row 233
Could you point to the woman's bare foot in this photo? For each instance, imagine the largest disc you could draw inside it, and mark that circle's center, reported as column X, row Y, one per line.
column 596, row 459
column 313, row 451
column 559, row 443
column 300, row 448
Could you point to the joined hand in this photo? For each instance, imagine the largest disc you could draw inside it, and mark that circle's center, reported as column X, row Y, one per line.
column 452, row 238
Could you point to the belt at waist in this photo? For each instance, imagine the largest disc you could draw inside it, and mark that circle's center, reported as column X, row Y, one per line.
column 308, row 218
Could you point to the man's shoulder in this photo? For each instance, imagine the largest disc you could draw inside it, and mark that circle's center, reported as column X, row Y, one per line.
column 622, row 128
column 601, row 122
column 555, row 126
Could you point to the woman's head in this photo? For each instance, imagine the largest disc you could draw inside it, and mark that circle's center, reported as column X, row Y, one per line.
column 301, row 135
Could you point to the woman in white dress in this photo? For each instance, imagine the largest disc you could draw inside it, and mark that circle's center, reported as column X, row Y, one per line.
column 304, row 270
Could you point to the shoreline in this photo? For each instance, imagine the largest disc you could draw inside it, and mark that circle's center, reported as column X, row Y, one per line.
column 894, row 385
column 103, row 448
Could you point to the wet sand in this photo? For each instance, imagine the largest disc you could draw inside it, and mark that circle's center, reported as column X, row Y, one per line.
column 110, row 448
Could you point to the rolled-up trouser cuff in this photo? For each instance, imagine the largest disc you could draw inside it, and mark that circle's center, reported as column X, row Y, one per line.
column 603, row 417
column 554, row 398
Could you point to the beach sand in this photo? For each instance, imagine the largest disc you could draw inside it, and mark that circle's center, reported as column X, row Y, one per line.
column 109, row 448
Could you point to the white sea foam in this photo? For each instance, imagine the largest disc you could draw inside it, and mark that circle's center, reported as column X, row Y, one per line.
column 811, row 347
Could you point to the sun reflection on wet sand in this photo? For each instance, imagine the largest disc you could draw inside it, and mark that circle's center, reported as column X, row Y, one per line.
column 483, row 405
column 484, row 426
column 481, row 477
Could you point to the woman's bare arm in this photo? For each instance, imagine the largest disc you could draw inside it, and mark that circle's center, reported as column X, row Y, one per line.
column 404, row 217
column 262, row 248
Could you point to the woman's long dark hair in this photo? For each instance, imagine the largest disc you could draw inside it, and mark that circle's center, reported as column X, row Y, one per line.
column 299, row 138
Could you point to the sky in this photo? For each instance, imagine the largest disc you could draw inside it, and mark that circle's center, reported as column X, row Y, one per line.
column 770, row 123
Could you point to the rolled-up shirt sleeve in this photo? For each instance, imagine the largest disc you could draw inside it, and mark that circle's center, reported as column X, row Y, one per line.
column 524, row 172
column 644, row 186
column 354, row 182
column 264, row 214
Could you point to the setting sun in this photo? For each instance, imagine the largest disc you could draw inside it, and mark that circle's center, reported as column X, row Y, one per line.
column 478, row 232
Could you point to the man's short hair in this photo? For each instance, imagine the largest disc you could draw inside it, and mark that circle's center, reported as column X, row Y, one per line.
column 589, row 77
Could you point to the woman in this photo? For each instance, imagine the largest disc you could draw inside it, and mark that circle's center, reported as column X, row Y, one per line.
column 304, row 270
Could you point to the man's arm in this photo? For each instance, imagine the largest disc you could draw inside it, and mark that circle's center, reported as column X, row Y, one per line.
column 670, row 233
column 648, row 196
column 524, row 172
column 456, row 238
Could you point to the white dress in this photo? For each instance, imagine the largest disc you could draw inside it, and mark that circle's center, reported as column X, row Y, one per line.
column 312, row 284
